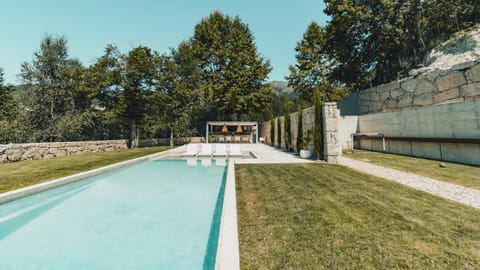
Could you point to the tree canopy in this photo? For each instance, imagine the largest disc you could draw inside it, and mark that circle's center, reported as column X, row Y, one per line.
column 314, row 65
column 233, row 74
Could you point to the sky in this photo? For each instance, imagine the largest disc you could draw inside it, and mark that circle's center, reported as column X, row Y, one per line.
column 89, row 25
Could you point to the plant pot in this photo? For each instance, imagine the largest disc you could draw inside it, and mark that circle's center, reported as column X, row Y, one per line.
column 305, row 153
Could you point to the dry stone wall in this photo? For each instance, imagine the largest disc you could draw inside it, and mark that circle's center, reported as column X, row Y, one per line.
column 31, row 151
column 461, row 83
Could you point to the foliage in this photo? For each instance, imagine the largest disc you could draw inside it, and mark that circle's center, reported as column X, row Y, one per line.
column 138, row 82
column 307, row 138
column 318, row 143
column 279, row 132
column 51, row 97
column 300, row 144
column 287, row 132
column 272, row 129
column 233, row 74
column 312, row 72
column 8, row 105
column 375, row 42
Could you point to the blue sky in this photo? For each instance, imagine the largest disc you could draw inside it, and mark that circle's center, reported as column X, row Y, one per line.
column 90, row 25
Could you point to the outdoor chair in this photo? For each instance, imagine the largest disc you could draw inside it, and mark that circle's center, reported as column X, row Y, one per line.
column 220, row 150
column 192, row 150
column 235, row 150
column 206, row 150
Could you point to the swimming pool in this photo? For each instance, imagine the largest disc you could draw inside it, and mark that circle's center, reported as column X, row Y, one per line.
column 160, row 214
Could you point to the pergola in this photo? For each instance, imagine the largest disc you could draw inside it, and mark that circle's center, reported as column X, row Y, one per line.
column 231, row 131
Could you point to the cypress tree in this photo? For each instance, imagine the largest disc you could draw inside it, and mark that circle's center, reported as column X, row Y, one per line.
column 299, row 130
column 279, row 132
column 286, row 126
column 318, row 128
column 272, row 129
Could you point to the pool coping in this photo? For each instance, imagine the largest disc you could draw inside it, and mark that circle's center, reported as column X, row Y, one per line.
column 37, row 188
column 228, row 253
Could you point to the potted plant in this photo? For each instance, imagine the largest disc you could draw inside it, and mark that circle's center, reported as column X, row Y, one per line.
column 305, row 152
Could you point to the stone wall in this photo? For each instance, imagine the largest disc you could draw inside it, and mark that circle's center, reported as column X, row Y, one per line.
column 30, row 151
column 308, row 122
column 330, row 132
column 461, row 83
column 453, row 121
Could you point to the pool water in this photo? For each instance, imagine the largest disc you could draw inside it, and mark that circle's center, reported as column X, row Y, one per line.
column 154, row 215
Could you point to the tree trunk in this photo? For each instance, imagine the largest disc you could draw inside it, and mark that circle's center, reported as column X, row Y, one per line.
column 171, row 137
column 134, row 135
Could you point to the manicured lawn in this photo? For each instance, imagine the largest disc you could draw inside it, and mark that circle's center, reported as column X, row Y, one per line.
column 25, row 173
column 318, row 216
column 468, row 176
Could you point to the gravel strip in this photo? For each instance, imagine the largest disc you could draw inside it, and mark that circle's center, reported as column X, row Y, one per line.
column 464, row 195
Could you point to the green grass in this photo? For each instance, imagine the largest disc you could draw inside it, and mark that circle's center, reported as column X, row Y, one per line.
column 318, row 216
column 25, row 173
column 468, row 176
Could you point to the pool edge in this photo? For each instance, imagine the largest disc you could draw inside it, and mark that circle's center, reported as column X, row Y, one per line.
column 37, row 188
column 228, row 255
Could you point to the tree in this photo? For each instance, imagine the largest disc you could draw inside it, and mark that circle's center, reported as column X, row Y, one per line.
column 286, row 126
column 233, row 73
column 318, row 143
column 176, row 90
column 8, row 105
column 139, row 80
column 313, row 68
column 279, row 132
column 299, row 129
column 272, row 129
column 376, row 42
column 49, row 76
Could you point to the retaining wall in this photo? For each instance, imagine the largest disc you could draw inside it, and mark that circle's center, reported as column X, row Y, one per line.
column 461, row 83
column 29, row 151
column 452, row 121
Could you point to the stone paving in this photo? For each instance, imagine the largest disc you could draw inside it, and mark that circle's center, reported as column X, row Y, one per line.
column 464, row 195
column 268, row 154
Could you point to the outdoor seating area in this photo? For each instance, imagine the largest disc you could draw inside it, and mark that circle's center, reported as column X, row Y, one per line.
column 232, row 132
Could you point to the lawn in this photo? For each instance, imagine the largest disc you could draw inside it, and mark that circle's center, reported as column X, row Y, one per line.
column 25, row 173
column 468, row 176
column 319, row 216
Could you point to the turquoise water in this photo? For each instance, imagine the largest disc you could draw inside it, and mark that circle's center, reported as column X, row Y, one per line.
column 154, row 215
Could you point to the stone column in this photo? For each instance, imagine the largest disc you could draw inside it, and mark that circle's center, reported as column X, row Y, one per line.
column 330, row 132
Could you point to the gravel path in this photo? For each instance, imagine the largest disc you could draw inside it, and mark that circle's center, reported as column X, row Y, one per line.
column 464, row 195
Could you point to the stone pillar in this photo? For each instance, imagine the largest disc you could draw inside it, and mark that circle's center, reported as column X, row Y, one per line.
column 330, row 132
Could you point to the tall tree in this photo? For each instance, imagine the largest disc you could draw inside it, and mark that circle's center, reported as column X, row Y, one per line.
column 313, row 68
column 139, row 80
column 52, row 97
column 233, row 73
column 379, row 41
column 7, row 103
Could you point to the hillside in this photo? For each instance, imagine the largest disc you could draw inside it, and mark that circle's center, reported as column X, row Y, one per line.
column 460, row 51
column 282, row 89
